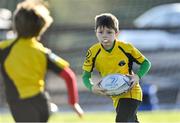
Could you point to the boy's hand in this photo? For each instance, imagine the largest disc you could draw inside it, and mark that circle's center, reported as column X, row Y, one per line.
column 133, row 79
column 96, row 89
column 77, row 108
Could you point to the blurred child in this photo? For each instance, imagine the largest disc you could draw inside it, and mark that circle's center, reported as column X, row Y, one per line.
column 24, row 63
column 111, row 56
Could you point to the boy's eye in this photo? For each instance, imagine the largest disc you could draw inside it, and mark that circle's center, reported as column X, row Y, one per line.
column 100, row 32
column 109, row 32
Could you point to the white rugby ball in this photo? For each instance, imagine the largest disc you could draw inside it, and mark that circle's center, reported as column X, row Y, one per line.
column 115, row 84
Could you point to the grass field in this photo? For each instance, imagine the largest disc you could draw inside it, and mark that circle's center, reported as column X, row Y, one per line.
column 107, row 117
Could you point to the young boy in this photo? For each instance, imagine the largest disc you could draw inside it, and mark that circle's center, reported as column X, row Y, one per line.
column 111, row 56
column 24, row 63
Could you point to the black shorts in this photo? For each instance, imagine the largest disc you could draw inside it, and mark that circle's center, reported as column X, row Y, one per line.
column 35, row 109
column 127, row 110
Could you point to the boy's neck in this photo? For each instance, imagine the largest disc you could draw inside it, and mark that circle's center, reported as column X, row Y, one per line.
column 110, row 49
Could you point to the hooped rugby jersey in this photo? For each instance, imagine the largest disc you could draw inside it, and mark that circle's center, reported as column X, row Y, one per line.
column 119, row 60
column 23, row 64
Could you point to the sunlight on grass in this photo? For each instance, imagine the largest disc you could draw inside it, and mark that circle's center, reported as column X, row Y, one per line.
column 88, row 117
column 160, row 116
column 108, row 117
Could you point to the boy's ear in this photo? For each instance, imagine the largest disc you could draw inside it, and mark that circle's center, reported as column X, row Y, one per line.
column 117, row 33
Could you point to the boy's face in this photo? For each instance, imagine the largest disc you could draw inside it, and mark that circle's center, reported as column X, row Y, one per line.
column 106, row 36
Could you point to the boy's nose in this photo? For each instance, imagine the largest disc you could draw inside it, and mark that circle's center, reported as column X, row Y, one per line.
column 104, row 36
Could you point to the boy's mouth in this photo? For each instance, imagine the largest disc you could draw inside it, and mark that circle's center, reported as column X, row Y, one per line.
column 105, row 41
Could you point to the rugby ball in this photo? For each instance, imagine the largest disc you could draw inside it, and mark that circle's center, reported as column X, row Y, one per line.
column 115, row 84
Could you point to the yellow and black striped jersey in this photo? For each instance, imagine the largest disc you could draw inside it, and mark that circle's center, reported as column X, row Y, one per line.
column 119, row 60
column 24, row 63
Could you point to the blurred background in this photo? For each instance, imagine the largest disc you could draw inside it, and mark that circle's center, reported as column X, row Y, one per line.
column 153, row 26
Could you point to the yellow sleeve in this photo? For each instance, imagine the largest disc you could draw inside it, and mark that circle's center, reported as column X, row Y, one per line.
column 56, row 63
column 58, row 60
column 137, row 55
column 88, row 63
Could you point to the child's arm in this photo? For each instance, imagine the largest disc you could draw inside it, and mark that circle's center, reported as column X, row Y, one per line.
column 61, row 67
column 142, row 71
column 86, row 80
column 68, row 75
column 91, row 86
column 144, row 68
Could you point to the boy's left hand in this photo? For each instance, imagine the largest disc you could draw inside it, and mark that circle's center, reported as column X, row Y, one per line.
column 133, row 79
column 96, row 89
column 77, row 108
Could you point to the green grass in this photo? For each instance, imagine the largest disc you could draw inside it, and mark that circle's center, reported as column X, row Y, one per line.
column 107, row 117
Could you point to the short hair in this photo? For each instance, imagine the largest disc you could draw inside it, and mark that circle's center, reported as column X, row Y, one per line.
column 31, row 18
column 107, row 20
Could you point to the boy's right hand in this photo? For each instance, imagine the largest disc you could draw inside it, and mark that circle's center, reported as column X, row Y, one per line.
column 97, row 90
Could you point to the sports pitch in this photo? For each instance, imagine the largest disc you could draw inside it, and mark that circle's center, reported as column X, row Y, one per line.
column 106, row 117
